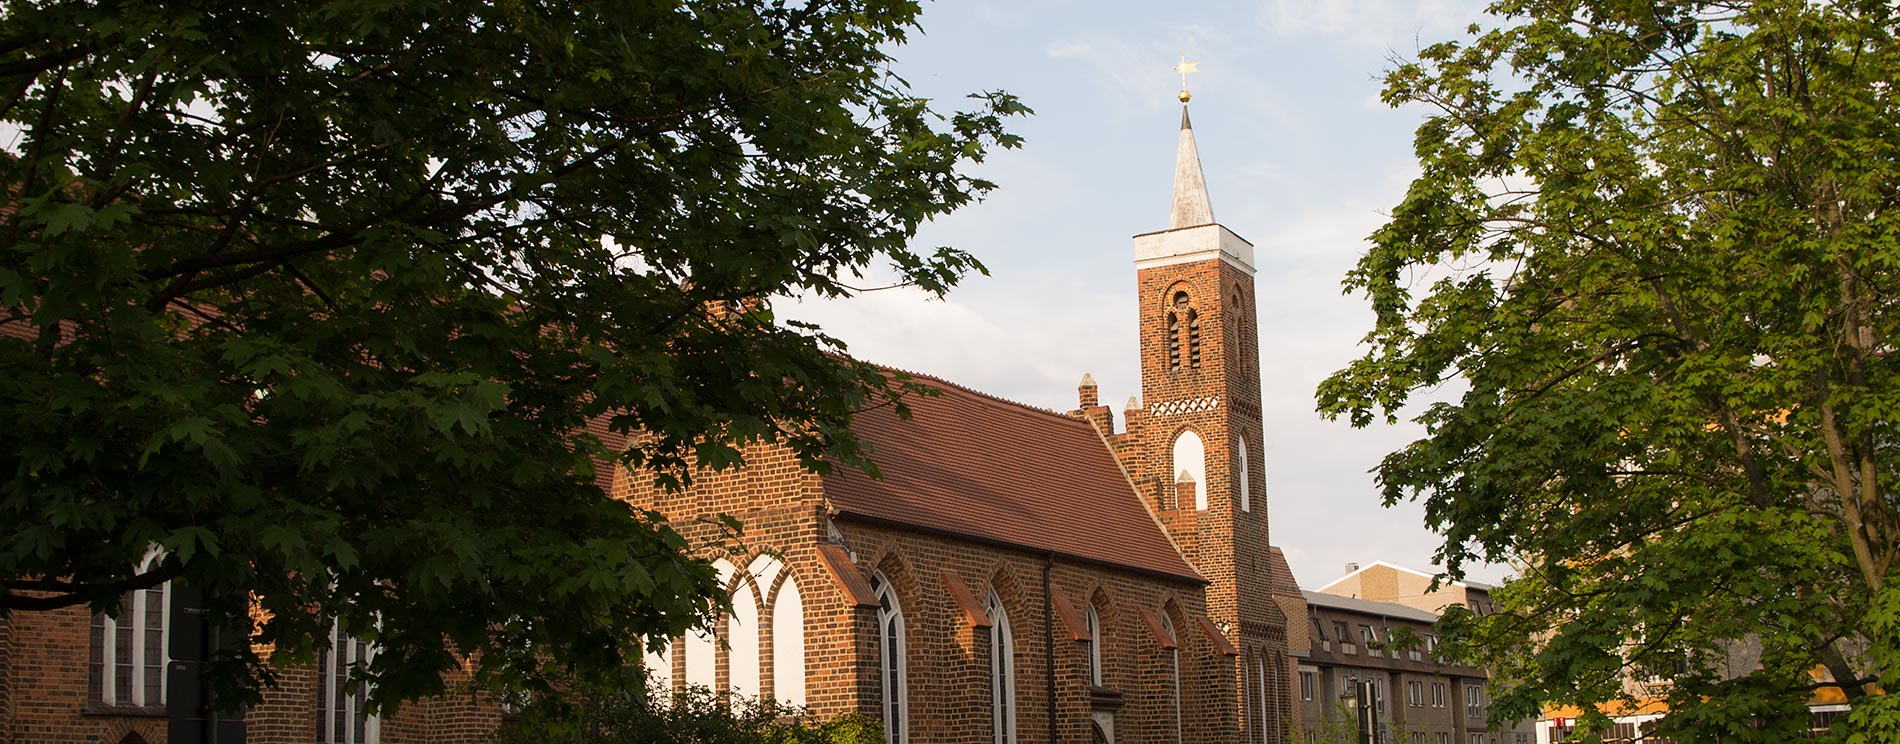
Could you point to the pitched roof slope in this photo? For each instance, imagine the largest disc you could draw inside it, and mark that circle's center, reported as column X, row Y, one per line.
column 981, row 467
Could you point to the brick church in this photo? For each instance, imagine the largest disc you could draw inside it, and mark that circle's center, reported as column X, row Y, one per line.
column 1025, row 575
column 1017, row 574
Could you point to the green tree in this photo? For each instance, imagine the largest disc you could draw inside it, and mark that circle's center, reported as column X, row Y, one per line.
column 1653, row 254
column 694, row 716
column 322, row 297
column 1340, row 725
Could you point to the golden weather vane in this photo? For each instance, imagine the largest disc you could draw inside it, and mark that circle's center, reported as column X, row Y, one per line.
column 1184, row 68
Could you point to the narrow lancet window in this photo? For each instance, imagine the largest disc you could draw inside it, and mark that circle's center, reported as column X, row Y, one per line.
column 1194, row 338
column 1182, row 320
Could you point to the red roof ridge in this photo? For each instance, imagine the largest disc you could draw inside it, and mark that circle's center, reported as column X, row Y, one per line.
column 959, row 387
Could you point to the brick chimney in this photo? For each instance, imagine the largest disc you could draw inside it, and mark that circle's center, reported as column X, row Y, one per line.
column 1087, row 392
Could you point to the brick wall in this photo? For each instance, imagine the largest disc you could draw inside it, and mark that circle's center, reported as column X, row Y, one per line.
column 44, row 660
column 46, row 657
column 6, row 681
column 781, row 509
column 948, row 656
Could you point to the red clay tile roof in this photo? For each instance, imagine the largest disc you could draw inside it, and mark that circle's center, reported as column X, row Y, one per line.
column 615, row 442
column 1280, row 574
column 980, row 467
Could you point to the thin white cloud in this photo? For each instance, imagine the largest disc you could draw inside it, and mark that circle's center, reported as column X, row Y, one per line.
column 1387, row 24
column 1137, row 73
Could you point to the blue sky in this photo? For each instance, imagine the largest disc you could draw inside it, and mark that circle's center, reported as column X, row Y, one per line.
column 1301, row 159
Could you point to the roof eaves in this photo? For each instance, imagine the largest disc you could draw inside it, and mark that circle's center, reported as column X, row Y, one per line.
column 1190, row 577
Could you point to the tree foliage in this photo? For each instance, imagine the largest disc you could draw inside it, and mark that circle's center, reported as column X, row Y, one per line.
column 321, row 298
column 694, row 716
column 1654, row 252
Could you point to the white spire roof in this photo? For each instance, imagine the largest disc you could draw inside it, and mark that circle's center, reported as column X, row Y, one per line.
column 1191, row 205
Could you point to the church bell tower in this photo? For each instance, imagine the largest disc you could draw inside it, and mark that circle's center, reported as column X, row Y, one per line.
column 1199, row 461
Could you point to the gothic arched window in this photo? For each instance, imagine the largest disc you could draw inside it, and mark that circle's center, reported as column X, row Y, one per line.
column 891, row 664
column 1002, row 673
column 1190, row 456
column 1194, row 338
column 1260, row 693
column 1174, row 670
column 1240, row 471
column 701, row 647
column 129, row 651
column 343, row 715
column 1094, row 620
column 788, row 641
column 1184, row 332
column 743, row 631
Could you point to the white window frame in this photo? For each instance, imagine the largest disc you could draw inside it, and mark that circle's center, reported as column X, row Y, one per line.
column 892, row 663
column 335, row 662
column 1002, row 673
column 1307, row 685
column 135, row 607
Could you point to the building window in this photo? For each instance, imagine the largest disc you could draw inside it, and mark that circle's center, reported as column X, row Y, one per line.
column 891, row 664
column 1183, row 320
column 1474, row 701
column 1247, row 679
column 1325, row 643
column 1369, row 639
column 1094, row 620
column 787, row 609
column 342, row 696
column 1190, row 457
column 1415, row 694
column 1002, row 673
column 1438, row 694
column 1477, row 739
column 130, row 651
column 1240, row 467
column 1266, row 712
column 1174, row 671
column 1345, row 641
column 1306, row 686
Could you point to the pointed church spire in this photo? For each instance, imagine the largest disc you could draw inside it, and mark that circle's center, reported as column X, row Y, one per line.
column 1191, row 206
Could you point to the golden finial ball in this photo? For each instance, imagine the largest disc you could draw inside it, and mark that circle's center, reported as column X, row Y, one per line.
column 1185, row 95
